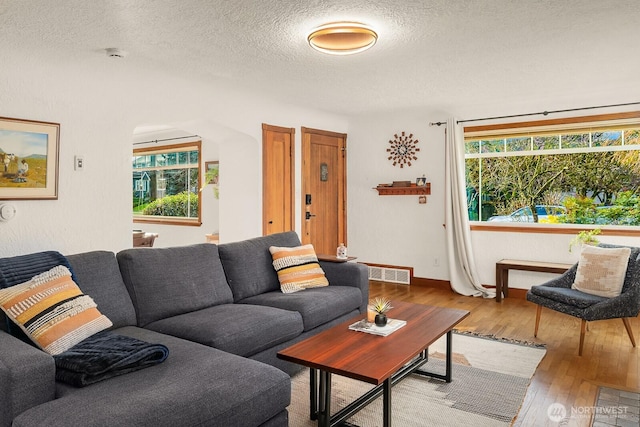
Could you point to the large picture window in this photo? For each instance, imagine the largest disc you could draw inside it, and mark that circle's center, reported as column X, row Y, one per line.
column 567, row 171
column 166, row 183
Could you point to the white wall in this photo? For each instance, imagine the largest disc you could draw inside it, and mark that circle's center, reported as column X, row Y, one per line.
column 99, row 102
column 397, row 230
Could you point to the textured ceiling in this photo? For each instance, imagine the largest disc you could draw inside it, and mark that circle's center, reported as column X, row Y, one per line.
column 430, row 53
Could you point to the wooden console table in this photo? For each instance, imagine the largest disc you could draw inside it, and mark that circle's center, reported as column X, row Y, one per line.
column 503, row 267
column 333, row 258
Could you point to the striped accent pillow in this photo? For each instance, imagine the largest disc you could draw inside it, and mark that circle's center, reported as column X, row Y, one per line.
column 52, row 310
column 297, row 268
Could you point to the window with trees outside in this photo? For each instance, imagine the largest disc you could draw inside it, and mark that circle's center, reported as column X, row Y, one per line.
column 166, row 183
column 582, row 170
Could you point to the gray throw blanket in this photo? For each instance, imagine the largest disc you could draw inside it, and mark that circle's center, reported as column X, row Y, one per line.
column 106, row 355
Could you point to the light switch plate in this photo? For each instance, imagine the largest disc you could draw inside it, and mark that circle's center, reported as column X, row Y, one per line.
column 78, row 163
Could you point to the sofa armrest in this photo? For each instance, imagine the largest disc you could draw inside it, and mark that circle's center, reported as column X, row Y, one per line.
column 27, row 377
column 349, row 274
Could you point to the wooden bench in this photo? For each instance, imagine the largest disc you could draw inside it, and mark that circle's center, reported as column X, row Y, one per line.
column 503, row 267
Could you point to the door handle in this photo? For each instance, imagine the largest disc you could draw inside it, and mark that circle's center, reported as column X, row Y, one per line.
column 308, row 215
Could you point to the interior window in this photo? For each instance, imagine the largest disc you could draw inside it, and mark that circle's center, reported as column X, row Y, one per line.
column 166, row 183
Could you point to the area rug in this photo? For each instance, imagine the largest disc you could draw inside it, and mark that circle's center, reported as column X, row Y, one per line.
column 490, row 380
column 614, row 407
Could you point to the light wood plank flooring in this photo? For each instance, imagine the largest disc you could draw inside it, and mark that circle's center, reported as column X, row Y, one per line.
column 608, row 357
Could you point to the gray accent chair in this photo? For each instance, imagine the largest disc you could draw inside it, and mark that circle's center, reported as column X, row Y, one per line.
column 557, row 295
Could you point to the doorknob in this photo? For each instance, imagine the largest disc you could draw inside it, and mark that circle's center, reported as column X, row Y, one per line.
column 308, row 215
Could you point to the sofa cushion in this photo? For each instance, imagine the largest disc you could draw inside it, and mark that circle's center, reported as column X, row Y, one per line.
column 52, row 310
column 572, row 297
column 248, row 263
column 98, row 275
column 240, row 329
column 316, row 305
column 195, row 386
column 601, row 271
column 297, row 268
column 165, row 282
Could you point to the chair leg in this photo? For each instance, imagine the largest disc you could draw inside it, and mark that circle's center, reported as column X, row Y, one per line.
column 583, row 327
column 627, row 326
column 538, row 311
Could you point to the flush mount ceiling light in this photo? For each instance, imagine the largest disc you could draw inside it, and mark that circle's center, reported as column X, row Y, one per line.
column 342, row 38
column 114, row 52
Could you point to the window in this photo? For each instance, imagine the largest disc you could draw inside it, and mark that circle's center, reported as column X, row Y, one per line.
column 166, row 183
column 583, row 170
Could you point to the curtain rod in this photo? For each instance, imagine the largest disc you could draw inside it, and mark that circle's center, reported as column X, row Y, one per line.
column 543, row 113
column 155, row 141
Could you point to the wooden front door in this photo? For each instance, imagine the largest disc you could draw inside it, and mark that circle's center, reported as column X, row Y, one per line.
column 324, row 198
column 277, row 179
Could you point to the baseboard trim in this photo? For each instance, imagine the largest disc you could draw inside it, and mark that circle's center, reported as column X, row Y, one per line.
column 430, row 283
column 446, row 285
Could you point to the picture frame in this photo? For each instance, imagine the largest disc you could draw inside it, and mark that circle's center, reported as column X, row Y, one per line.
column 421, row 182
column 29, row 159
column 212, row 172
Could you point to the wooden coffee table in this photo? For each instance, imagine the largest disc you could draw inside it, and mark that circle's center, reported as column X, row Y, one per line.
column 378, row 360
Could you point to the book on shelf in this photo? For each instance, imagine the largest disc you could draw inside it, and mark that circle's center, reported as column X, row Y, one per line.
column 371, row 328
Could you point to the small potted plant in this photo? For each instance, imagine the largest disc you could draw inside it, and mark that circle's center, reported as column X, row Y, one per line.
column 586, row 238
column 380, row 306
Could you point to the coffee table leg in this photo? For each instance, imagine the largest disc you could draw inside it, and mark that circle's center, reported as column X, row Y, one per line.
column 313, row 394
column 386, row 403
column 447, row 375
column 324, row 412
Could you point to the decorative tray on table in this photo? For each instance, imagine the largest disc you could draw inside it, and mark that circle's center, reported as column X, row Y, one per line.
column 371, row 328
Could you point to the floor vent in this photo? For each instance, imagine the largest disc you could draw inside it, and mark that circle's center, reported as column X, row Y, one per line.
column 390, row 274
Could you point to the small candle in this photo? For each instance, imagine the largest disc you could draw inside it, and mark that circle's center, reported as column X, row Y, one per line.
column 371, row 316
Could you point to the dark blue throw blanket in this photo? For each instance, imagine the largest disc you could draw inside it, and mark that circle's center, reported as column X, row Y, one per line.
column 19, row 269
column 106, row 355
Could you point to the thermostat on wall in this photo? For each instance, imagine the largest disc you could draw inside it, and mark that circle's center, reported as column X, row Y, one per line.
column 7, row 212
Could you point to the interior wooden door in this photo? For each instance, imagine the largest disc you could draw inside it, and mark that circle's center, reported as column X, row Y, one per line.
column 324, row 183
column 278, row 179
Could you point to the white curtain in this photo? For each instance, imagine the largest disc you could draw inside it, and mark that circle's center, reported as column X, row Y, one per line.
column 462, row 268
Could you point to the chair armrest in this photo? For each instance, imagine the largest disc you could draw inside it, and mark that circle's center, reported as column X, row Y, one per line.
column 349, row 274
column 565, row 280
column 626, row 304
column 27, row 377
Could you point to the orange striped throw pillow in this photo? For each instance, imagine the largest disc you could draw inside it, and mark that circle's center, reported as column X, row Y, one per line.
column 297, row 268
column 52, row 310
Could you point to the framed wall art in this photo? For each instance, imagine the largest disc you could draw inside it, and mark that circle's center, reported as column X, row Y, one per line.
column 212, row 176
column 211, row 172
column 28, row 159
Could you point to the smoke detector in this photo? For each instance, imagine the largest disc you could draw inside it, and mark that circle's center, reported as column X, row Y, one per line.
column 114, row 52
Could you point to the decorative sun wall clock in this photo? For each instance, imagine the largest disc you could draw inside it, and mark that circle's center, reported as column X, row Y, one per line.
column 403, row 149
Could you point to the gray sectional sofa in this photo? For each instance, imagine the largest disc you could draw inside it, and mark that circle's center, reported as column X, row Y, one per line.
column 220, row 312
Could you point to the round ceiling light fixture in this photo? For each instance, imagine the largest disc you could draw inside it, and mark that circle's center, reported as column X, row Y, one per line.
column 114, row 52
column 342, row 38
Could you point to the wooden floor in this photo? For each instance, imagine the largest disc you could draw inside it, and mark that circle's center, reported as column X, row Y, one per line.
column 563, row 377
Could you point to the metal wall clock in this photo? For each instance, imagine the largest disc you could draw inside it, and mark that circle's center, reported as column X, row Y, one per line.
column 403, row 149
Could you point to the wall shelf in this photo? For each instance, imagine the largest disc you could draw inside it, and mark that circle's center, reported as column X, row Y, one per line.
column 412, row 190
